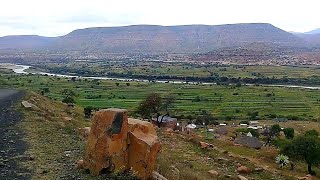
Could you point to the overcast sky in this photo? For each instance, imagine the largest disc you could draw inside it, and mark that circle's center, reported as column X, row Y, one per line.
column 59, row 17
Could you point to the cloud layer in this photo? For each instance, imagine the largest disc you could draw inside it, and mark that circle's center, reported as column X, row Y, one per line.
column 59, row 17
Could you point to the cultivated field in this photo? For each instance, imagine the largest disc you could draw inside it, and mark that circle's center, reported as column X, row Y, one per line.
column 222, row 101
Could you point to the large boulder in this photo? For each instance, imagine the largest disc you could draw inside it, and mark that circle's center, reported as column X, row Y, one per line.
column 116, row 143
column 107, row 141
column 143, row 147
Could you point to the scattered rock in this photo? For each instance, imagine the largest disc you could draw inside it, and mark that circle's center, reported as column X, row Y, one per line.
column 242, row 177
column 80, row 164
column 169, row 130
column 258, row 169
column 67, row 119
column 243, row 170
column 26, row 104
column 205, row 145
column 213, row 173
column 307, row 177
column 157, row 176
column 227, row 176
column 31, row 158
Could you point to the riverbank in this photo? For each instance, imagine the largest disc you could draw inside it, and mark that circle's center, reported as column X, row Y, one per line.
column 21, row 69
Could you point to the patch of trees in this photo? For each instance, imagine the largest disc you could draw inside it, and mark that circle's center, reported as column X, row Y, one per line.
column 157, row 106
column 306, row 148
column 315, row 80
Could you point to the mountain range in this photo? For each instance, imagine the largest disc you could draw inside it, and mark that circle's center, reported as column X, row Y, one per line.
column 160, row 39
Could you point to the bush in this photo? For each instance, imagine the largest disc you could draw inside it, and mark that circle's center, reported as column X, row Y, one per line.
column 88, row 111
column 280, row 143
column 253, row 115
column 312, row 133
column 275, row 129
column 289, row 133
column 68, row 99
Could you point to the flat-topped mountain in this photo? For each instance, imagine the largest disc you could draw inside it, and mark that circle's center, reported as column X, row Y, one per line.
column 156, row 39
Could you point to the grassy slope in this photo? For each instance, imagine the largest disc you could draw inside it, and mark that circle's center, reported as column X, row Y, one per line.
column 49, row 136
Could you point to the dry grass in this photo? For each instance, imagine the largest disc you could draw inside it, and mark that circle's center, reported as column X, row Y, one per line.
column 181, row 151
column 52, row 139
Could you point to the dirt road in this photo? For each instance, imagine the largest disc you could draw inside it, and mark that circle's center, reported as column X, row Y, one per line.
column 12, row 146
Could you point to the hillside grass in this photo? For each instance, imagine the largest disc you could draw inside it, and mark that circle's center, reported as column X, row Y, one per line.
column 54, row 144
column 50, row 135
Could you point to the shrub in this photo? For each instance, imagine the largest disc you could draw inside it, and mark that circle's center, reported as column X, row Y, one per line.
column 312, row 133
column 289, row 133
column 68, row 99
column 275, row 129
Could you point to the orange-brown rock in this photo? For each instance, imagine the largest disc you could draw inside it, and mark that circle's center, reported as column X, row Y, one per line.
column 143, row 147
column 118, row 143
column 205, row 145
column 80, row 164
column 107, row 141
column 243, row 170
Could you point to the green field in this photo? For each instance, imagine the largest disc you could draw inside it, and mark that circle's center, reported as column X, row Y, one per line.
column 222, row 101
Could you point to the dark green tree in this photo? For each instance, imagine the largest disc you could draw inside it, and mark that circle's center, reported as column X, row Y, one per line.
column 68, row 99
column 155, row 105
column 305, row 148
column 289, row 133
column 88, row 111
column 275, row 130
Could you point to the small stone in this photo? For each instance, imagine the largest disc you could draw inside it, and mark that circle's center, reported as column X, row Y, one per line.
column 213, row 173
column 80, row 164
column 31, row 158
column 243, row 170
column 242, row 177
column 258, row 169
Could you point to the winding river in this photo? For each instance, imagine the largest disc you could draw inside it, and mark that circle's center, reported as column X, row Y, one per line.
column 21, row 69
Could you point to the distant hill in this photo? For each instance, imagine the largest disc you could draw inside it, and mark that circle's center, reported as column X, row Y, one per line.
column 25, row 42
column 316, row 31
column 313, row 40
column 157, row 39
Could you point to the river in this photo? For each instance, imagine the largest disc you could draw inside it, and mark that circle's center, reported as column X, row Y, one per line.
column 21, row 69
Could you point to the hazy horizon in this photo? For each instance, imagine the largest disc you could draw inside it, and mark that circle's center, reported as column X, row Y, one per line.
column 55, row 18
